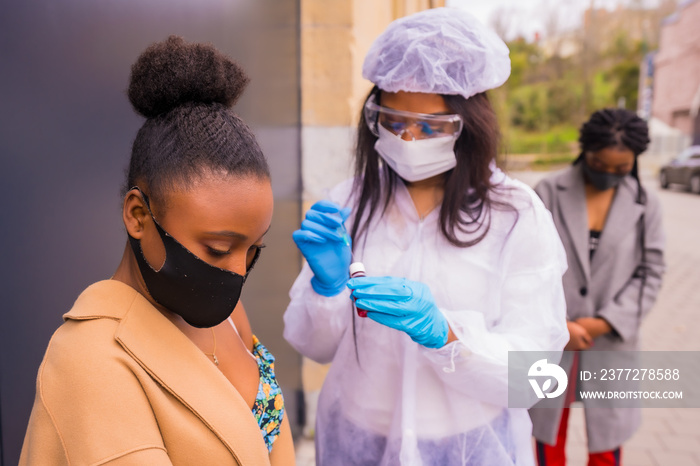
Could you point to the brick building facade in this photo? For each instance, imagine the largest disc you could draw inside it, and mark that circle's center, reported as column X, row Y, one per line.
column 677, row 71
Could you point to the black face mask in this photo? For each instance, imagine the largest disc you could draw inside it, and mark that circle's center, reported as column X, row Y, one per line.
column 601, row 181
column 202, row 294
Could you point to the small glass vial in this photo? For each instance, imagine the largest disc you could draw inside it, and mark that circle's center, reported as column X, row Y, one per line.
column 357, row 269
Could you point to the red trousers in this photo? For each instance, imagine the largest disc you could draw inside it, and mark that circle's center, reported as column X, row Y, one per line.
column 548, row 455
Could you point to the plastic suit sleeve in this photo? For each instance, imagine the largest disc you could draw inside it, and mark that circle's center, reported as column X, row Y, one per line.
column 623, row 312
column 532, row 318
column 314, row 324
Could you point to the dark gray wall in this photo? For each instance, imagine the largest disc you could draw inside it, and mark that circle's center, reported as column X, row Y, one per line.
column 66, row 128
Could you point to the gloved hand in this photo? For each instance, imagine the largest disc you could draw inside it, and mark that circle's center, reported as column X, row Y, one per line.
column 325, row 244
column 404, row 305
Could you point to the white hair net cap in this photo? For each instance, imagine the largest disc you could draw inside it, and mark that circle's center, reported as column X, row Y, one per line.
column 437, row 51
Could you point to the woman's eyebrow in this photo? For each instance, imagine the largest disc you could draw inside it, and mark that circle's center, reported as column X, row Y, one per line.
column 233, row 234
column 228, row 234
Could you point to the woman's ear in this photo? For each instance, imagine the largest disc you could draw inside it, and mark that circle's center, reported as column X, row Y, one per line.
column 135, row 213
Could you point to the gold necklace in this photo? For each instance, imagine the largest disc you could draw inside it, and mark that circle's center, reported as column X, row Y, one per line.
column 213, row 353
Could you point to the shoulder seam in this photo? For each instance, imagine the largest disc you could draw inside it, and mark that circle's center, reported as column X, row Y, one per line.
column 40, row 390
column 100, row 316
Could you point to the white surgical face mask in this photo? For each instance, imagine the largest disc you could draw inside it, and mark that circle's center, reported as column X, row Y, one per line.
column 419, row 159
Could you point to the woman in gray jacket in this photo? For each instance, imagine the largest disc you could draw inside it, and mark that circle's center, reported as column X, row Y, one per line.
column 611, row 229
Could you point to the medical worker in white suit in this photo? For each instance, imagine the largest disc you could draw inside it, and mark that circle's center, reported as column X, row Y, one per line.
column 463, row 264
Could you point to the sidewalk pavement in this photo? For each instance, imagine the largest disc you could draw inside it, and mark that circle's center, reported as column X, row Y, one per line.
column 667, row 437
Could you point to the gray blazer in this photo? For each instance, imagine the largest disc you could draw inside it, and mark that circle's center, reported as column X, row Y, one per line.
column 607, row 286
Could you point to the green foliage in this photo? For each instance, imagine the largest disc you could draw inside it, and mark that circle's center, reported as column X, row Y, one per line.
column 626, row 74
column 603, row 90
column 528, row 106
column 560, row 140
column 564, row 99
column 548, row 97
column 523, row 56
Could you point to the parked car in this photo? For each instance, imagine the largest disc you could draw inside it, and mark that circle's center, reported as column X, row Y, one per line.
column 683, row 170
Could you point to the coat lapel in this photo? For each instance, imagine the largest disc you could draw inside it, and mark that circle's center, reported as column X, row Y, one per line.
column 572, row 209
column 622, row 218
column 180, row 368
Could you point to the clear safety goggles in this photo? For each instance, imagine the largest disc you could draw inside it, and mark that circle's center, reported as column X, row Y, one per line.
column 417, row 125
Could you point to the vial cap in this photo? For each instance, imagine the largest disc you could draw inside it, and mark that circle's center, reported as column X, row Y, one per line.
column 356, row 267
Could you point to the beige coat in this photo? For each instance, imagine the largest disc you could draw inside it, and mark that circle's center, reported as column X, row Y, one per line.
column 121, row 385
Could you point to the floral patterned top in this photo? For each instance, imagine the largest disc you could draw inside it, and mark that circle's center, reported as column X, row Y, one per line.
column 269, row 404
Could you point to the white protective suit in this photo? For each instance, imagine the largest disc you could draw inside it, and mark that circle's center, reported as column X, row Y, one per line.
column 386, row 399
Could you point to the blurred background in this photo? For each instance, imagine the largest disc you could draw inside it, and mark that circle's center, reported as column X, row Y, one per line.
column 66, row 129
column 571, row 57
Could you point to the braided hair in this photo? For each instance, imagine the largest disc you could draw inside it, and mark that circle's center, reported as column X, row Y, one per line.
column 185, row 91
column 620, row 128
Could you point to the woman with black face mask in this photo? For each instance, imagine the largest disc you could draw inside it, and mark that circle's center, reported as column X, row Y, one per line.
column 158, row 365
column 611, row 230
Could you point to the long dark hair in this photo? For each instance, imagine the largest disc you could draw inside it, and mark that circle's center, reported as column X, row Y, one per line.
column 616, row 127
column 467, row 203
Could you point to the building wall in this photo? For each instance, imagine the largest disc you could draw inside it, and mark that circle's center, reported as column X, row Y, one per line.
column 335, row 37
column 677, row 68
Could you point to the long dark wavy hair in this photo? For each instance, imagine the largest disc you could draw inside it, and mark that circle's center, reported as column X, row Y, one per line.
column 467, row 202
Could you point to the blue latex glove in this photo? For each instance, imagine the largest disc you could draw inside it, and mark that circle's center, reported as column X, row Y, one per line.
column 325, row 243
column 404, row 305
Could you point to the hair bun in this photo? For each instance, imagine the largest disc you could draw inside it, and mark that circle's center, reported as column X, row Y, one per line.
column 171, row 73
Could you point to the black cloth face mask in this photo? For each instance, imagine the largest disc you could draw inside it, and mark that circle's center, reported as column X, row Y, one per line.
column 202, row 294
column 602, row 181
